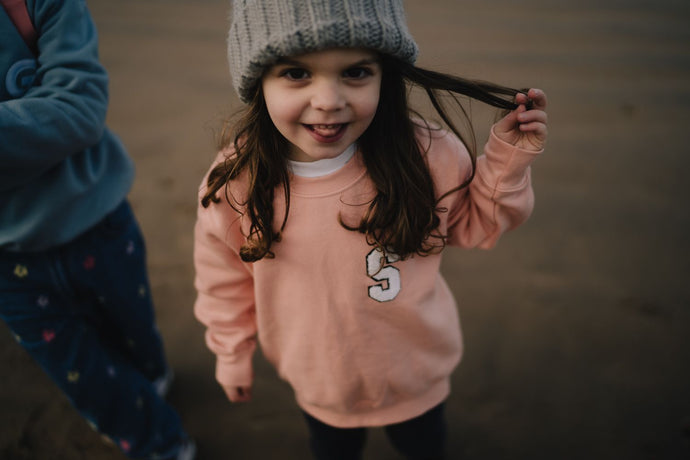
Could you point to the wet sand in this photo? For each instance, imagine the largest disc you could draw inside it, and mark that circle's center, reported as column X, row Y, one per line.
column 577, row 325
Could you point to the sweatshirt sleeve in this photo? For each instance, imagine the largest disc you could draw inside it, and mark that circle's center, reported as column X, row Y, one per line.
column 225, row 297
column 64, row 111
column 499, row 198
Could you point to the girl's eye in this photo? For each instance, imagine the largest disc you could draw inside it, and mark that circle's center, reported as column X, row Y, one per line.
column 357, row 73
column 294, row 74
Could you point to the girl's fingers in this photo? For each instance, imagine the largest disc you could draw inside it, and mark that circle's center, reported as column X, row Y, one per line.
column 534, row 99
column 508, row 122
column 238, row 394
column 527, row 124
column 532, row 115
column 521, row 98
column 535, row 135
column 538, row 98
column 534, row 127
column 245, row 393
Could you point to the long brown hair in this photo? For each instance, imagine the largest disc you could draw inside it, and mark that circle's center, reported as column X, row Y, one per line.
column 402, row 217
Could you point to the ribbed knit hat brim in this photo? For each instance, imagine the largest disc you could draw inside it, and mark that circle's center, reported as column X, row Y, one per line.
column 263, row 31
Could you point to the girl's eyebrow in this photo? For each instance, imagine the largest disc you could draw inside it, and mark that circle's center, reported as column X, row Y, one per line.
column 365, row 62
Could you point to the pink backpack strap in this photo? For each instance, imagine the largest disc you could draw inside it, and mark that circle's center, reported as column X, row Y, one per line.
column 18, row 13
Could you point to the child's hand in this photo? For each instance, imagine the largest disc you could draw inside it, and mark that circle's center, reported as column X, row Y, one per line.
column 524, row 128
column 238, row 394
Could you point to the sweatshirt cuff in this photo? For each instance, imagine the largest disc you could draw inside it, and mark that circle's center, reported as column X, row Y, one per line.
column 506, row 165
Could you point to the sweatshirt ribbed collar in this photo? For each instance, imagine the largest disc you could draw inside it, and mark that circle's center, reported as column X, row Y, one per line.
column 332, row 183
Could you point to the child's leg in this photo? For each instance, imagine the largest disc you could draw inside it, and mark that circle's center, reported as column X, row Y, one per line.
column 116, row 399
column 38, row 306
column 421, row 438
column 330, row 443
column 107, row 269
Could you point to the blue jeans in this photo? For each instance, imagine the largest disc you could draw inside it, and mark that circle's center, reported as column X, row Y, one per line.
column 420, row 438
column 83, row 311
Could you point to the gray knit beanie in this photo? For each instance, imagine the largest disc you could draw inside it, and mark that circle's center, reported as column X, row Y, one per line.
column 263, row 31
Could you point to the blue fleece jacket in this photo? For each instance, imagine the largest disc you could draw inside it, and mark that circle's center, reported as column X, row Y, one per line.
column 61, row 169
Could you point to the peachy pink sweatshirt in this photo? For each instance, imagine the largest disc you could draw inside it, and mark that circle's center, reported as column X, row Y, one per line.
column 363, row 340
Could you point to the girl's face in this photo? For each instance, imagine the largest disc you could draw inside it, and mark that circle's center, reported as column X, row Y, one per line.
column 322, row 102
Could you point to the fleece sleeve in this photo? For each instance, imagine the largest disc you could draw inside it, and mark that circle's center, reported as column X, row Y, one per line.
column 225, row 298
column 64, row 111
column 499, row 198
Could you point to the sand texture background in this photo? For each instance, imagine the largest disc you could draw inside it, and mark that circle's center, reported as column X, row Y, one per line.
column 577, row 326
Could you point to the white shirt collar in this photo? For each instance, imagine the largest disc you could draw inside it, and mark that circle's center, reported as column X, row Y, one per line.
column 323, row 167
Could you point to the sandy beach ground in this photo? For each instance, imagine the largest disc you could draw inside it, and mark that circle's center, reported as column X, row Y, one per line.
column 577, row 325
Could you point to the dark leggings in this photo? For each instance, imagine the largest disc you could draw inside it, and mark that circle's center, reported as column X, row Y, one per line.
column 420, row 438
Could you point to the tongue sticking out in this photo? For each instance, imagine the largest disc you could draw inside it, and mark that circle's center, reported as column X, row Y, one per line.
column 326, row 130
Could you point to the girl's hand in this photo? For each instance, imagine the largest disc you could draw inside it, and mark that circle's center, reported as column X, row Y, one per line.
column 524, row 128
column 238, row 394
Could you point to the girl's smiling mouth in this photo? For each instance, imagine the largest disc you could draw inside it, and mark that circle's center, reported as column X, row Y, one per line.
column 327, row 133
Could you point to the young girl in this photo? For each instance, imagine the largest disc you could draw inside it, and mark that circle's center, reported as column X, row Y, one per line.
column 322, row 222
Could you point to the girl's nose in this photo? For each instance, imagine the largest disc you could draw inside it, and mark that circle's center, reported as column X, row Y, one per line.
column 328, row 96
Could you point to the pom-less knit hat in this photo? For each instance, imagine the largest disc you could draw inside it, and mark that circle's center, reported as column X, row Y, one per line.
column 263, row 31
